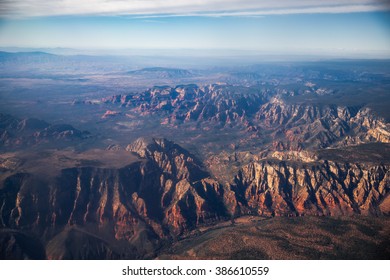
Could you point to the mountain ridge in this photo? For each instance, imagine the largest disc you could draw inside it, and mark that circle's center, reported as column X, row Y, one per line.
column 169, row 195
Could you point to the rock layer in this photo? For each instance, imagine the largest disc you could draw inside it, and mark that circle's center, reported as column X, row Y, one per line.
column 168, row 192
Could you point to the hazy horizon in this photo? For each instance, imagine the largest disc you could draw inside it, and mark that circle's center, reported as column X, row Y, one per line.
column 349, row 29
column 223, row 54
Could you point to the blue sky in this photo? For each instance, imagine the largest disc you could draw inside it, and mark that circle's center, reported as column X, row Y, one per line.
column 357, row 27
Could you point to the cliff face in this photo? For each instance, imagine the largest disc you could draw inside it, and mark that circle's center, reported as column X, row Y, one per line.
column 258, row 113
column 186, row 194
column 167, row 193
column 269, row 188
column 298, row 126
column 220, row 105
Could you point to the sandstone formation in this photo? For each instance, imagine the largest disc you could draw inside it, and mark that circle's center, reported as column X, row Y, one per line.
column 168, row 193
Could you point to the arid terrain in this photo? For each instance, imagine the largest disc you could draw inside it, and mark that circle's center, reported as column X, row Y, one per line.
column 284, row 238
column 133, row 161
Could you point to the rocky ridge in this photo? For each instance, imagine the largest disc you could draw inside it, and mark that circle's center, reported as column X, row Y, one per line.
column 259, row 113
column 168, row 193
column 164, row 194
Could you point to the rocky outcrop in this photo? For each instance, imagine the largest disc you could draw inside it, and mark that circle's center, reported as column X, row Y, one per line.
column 168, row 192
column 328, row 188
column 219, row 104
column 188, row 196
column 110, row 114
column 170, row 158
column 165, row 194
column 258, row 113
column 302, row 126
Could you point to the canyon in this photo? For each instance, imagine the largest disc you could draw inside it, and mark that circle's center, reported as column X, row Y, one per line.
column 173, row 171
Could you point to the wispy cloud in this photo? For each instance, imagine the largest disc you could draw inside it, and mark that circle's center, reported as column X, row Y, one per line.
column 169, row 8
column 260, row 13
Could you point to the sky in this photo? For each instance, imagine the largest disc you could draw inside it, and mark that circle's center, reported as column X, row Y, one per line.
column 343, row 27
